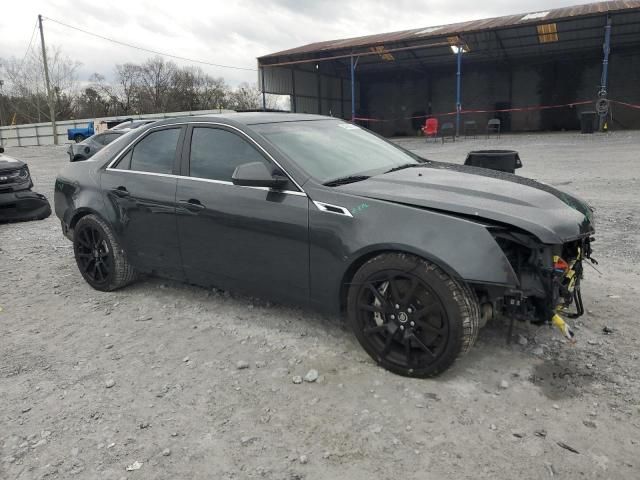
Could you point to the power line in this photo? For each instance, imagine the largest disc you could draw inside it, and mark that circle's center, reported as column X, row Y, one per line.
column 156, row 52
column 17, row 72
column 33, row 33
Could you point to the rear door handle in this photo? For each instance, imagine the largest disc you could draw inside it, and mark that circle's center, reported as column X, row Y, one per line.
column 193, row 205
column 121, row 191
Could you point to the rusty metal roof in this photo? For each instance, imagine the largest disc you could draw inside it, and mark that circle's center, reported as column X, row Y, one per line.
column 443, row 31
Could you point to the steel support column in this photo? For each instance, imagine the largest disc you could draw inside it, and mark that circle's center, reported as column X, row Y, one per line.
column 264, row 97
column 294, row 107
column 604, row 78
column 319, row 77
column 353, row 89
column 459, row 89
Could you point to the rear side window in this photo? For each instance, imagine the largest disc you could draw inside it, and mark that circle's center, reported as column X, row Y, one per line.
column 215, row 153
column 156, row 152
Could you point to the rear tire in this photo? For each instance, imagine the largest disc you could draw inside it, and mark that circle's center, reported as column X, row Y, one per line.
column 100, row 258
column 410, row 316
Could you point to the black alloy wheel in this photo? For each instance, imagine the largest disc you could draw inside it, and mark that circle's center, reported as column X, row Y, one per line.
column 94, row 255
column 403, row 319
column 100, row 258
column 409, row 316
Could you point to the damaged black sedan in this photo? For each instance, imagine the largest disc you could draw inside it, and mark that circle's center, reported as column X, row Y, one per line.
column 313, row 210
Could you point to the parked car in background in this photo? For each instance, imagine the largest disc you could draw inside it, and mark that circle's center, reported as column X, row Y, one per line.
column 418, row 254
column 79, row 134
column 17, row 201
column 89, row 147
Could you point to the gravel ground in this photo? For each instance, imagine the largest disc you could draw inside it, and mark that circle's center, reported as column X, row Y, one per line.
column 164, row 381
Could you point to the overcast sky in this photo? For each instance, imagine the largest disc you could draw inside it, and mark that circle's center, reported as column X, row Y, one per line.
column 231, row 32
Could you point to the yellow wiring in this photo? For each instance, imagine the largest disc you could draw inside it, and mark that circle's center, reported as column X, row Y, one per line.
column 564, row 328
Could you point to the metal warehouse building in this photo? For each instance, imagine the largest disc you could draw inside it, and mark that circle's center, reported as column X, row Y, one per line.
column 534, row 71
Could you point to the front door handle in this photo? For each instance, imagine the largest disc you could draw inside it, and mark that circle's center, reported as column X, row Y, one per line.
column 193, row 205
column 121, row 191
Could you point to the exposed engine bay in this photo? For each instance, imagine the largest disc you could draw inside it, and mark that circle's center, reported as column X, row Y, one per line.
column 549, row 276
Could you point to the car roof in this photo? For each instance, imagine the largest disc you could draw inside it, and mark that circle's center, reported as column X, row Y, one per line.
column 117, row 132
column 251, row 118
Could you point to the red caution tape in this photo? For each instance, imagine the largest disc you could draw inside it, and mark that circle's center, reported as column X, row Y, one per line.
column 630, row 105
column 528, row 109
column 502, row 110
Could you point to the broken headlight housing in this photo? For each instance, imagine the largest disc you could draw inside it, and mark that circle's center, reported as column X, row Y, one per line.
column 23, row 174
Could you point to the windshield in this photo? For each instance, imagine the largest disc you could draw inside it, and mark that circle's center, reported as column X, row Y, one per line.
column 333, row 149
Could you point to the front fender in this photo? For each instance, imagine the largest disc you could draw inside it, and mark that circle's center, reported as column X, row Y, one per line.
column 463, row 248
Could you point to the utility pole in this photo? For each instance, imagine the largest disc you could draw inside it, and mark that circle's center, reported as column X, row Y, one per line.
column 1, row 85
column 52, row 106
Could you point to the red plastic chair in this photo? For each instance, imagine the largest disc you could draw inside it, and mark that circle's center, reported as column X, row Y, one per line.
column 430, row 128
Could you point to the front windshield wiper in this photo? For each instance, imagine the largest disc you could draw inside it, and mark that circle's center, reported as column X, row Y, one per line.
column 406, row 165
column 345, row 180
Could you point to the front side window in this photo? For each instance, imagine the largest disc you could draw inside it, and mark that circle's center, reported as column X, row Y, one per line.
column 215, row 154
column 156, row 152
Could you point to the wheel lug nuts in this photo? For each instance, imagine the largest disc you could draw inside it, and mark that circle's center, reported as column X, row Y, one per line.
column 412, row 324
column 393, row 317
column 401, row 327
column 409, row 310
column 397, row 306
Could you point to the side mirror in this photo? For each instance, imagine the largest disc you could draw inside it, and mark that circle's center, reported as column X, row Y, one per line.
column 256, row 174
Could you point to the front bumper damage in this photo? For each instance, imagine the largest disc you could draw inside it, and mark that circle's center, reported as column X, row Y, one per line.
column 23, row 205
column 549, row 281
column 17, row 201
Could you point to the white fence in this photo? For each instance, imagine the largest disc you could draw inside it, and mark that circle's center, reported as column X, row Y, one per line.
column 33, row 134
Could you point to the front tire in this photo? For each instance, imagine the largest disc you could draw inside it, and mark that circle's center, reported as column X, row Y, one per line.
column 410, row 316
column 100, row 258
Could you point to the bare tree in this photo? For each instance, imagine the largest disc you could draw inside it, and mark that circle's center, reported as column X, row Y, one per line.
column 154, row 86
column 192, row 89
column 214, row 93
column 155, row 79
column 25, row 84
column 128, row 84
column 246, row 97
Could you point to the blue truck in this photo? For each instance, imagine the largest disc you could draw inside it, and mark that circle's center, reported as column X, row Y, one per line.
column 79, row 134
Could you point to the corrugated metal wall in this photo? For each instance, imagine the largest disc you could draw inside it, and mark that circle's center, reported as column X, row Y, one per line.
column 311, row 91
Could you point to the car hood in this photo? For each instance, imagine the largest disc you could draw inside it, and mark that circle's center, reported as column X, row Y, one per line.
column 551, row 215
column 8, row 163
